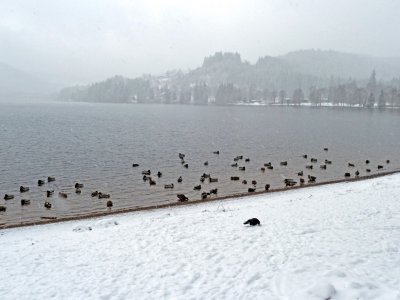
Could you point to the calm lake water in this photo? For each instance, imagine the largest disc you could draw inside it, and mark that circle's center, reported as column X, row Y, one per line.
column 96, row 144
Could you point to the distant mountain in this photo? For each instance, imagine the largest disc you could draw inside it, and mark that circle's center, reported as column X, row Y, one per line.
column 225, row 76
column 19, row 85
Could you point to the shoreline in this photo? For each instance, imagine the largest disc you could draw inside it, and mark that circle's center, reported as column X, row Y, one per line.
column 77, row 217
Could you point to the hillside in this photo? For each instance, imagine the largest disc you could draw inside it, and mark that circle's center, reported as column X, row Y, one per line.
column 19, row 85
column 234, row 79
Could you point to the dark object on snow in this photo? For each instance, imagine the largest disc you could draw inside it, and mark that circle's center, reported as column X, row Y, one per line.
column 253, row 222
column 47, row 205
column 270, row 167
column 182, row 198
column 135, row 165
column 388, row 161
column 51, row 178
column 25, row 202
column 109, row 203
column 206, row 163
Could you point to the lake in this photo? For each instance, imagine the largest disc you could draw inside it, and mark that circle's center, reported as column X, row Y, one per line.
column 96, row 144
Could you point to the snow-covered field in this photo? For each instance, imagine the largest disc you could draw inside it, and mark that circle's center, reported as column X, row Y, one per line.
column 333, row 242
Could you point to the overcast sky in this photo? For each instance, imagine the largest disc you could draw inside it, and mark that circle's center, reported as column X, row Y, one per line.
column 78, row 41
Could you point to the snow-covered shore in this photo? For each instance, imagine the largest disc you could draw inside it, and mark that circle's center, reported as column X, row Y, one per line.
column 338, row 241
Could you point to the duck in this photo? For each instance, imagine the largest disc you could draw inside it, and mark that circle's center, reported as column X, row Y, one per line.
column 323, row 167
column 380, row 167
column 302, row 181
column 350, row 165
column 325, row 149
column 78, row 191
column 206, row 163
column 242, row 168
column 357, row 173
column 300, row 173
column 367, row 161
column 186, row 166
column 328, row 162
column 51, row 178
column 368, row 170
column 3, row 208
column 262, row 169
column 23, row 189
column 251, row 190
column 159, row 174
column 182, row 198
column 244, row 181
column 247, row 160
column 311, row 178
column 213, row 179
column 78, row 185
column 314, row 160
column 152, row 182
column 8, row 197
column 283, row 163
column 25, row 202
column 109, row 203
column 388, row 161
column 270, row 167
column 234, row 165
column 305, row 156
column 47, row 205
column 180, row 179
column 309, row 167
column 216, row 152
column 214, row 191
column 267, row 187
column 135, row 165
column 181, row 155
column 268, row 164
column 62, row 195
column 146, row 172
column 102, row 195
column 40, row 182
column 254, row 182
column 169, row 186
column 347, row 174
column 204, row 195
column 197, row 187
column 234, row 178
column 95, row 194
column 49, row 193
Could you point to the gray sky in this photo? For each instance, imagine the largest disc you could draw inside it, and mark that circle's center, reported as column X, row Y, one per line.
column 78, row 41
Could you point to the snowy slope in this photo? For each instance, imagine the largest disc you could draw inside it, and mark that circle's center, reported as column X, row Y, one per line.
column 333, row 242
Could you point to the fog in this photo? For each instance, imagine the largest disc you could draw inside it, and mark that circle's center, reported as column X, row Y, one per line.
column 84, row 41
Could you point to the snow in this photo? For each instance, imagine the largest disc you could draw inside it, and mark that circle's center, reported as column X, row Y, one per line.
column 335, row 242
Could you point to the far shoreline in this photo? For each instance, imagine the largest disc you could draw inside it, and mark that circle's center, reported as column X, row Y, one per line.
column 77, row 217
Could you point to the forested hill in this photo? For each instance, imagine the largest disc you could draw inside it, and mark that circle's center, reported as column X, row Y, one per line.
column 227, row 78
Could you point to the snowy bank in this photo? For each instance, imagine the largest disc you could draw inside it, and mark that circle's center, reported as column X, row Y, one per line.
column 339, row 241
